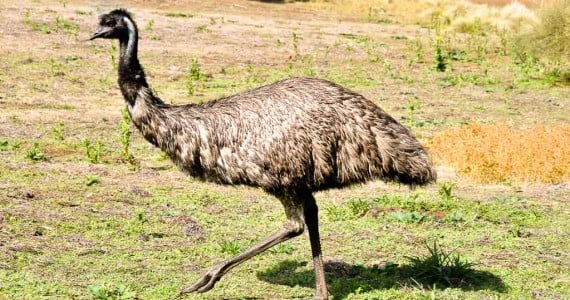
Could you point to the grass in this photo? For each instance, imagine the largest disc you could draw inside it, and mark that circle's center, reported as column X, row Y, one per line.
column 441, row 268
column 73, row 228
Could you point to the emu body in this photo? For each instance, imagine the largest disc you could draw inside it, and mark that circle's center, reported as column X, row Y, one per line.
column 291, row 138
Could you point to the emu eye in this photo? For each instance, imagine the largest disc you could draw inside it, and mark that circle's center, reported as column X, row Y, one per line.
column 109, row 22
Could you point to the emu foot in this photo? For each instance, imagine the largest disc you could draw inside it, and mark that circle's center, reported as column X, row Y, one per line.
column 207, row 281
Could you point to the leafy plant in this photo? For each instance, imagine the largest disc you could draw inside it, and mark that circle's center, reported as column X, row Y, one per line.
column 230, row 247
column 93, row 151
column 417, row 46
column 55, row 68
column 194, row 75
column 358, row 207
column 296, row 39
column 441, row 268
column 337, row 213
column 412, row 106
column 440, row 57
column 112, row 51
column 59, row 25
column 445, row 190
column 92, row 180
column 149, row 25
column 409, row 217
column 62, row 25
column 440, row 60
column 203, row 28
column 454, row 217
column 141, row 218
column 58, row 132
column 284, row 248
column 6, row 145
column 35, row 154
column 125, row 133
column 105, row 292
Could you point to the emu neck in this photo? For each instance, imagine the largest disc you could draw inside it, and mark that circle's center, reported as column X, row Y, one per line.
column 131, row 74
column 143, row 106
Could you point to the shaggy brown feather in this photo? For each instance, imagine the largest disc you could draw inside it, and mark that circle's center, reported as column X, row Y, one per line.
column 298, row 132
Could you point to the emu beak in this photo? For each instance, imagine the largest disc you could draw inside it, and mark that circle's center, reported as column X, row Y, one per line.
column 99, row 32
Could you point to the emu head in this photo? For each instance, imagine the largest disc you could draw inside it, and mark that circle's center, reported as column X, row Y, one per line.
column 116, row 24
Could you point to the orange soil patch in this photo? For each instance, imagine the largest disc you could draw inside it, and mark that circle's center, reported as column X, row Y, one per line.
column 497, row 152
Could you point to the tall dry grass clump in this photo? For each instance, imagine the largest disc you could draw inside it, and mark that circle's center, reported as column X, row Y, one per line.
column 550, row 39
column 513, row 17
column 492, row 153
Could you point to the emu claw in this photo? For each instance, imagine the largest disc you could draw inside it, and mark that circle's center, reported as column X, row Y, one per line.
column 206, row 282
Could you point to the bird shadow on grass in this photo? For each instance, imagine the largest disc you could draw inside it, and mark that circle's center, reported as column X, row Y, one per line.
column 344, row 279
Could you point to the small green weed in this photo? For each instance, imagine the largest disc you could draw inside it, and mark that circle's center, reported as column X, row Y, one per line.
column 93, row 151
column 230, row 247
column 440, row 57
column 62, row 25
column 59, row 25
column 110, row 292
column 410, row 217
column 509, row 200
column 454, row 217
column 179, row 15
column 112, row 51
column 440, row 268
column 92, row 180
column 58, row 132
column 412, row 105
column 149, row 25
column 36, row 26
column 445, row 190
column 83, row 12
column 203, row 29
column 6, row 145
column 417, row 46
column 337, row 213
column 358, row 207
column 125, row 133
column 55, row 68
column 141, row 218
column 195, row 70
column 35, row 154
column 194, row 75
column 284, row 248
column 440, row 60
column 296, row 39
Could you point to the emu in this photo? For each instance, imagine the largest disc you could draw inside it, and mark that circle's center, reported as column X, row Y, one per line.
column 291, row 138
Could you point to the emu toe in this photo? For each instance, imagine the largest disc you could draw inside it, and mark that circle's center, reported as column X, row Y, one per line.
column 206, row 282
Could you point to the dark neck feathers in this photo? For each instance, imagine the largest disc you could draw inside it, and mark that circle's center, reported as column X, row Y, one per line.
column 145, row 109
column 131, row 74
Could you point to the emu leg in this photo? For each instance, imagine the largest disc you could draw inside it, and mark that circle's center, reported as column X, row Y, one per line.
column 311, row 212
column 292, row 228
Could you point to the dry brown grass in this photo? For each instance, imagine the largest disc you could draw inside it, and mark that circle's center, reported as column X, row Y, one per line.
column 406, row 11
column 498, row 14
column 527, row 3
column 490, row 153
